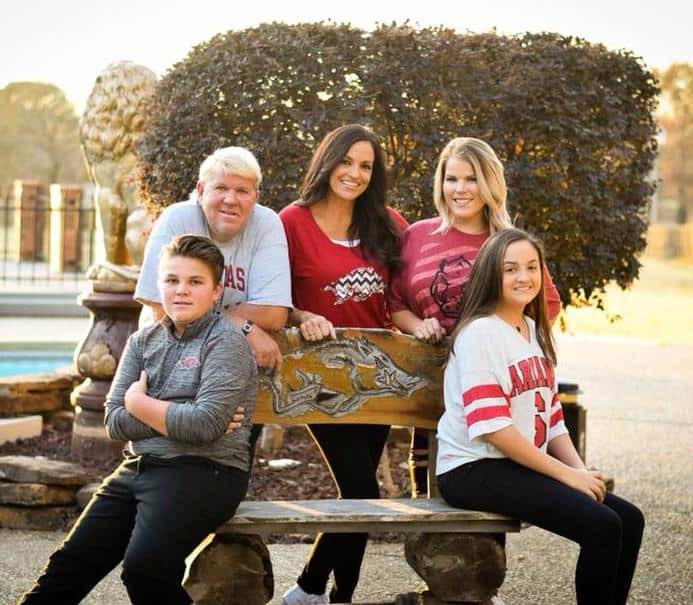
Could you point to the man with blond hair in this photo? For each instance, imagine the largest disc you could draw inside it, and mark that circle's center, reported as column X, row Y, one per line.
column 223, row 207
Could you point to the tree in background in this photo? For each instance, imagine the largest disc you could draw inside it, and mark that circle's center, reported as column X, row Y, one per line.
column 571, row 120
column 676, row 154
column 39, row 135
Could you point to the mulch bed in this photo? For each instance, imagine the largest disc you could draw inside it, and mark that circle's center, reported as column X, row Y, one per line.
column 54, row 444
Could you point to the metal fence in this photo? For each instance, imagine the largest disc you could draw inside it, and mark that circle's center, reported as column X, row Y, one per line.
column 47, row 234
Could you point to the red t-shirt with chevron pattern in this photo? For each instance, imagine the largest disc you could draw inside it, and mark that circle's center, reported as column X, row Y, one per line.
column 331, row 279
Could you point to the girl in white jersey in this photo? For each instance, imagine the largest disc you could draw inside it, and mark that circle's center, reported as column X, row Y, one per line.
column 503, row 446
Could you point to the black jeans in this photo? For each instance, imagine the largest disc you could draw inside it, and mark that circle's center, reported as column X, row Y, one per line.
column 150, row 513
column 609, row 533
column 352, row 453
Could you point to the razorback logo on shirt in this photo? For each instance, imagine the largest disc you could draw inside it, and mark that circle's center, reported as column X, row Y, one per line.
column 442, row 291
column 357, row 285
column 188, row 363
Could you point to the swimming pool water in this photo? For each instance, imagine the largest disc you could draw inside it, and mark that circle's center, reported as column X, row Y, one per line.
column 30, row 362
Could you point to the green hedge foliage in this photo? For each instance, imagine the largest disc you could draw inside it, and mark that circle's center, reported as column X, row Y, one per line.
column 572, row 121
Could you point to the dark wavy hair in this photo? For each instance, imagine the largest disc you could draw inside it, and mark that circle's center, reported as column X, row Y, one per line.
column 371, row 222
column 484, row 289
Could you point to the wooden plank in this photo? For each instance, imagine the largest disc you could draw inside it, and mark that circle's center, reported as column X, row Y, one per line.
column 401, row 506
column 293, row 506
column 355, row 526
column 364, row 376
column 310, row 516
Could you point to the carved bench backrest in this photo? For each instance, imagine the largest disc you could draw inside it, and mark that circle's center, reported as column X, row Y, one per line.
column 365, row 376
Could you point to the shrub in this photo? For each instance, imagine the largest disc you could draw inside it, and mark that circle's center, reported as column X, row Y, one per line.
column 571, row 120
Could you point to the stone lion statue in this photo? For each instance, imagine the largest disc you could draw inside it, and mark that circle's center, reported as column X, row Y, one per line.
column 109, row 130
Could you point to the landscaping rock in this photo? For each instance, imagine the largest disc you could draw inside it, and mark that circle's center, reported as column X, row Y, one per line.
column 458, row 567
column 35, row 494
column 36, row 393
column 28, row 469
column 38, row 518
column 24, row 427
column 62, row 420
column 426, row 598
column 208, row 581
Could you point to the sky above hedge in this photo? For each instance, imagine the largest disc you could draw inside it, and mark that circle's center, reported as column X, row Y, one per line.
column 69, row 42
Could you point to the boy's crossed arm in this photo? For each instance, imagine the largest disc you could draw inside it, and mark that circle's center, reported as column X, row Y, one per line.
column 131, row 414
column 120, row 424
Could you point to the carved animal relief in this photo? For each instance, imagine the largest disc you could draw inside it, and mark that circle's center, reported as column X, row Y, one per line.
column 337, row 377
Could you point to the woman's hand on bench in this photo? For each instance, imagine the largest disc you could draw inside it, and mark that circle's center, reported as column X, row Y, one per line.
column 313, row 326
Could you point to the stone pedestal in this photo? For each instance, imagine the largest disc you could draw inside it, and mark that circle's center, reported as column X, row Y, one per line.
column 114, row 317
column 467, row 568
column 230, row 569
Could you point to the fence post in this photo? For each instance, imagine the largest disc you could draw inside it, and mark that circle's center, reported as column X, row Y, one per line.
column 66, row 250
column 30, row 221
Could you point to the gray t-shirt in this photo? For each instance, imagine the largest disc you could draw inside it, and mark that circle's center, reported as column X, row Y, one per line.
column 204, row 375
column 256, row 259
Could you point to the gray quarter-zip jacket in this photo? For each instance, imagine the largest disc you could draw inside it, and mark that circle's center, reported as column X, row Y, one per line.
column 205, row 374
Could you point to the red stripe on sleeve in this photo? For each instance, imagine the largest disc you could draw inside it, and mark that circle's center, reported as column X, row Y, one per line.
column 487, row 413
column 556, row 417
column 483, row 391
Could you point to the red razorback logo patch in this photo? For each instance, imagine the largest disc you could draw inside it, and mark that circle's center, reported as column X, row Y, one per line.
column 189, row 363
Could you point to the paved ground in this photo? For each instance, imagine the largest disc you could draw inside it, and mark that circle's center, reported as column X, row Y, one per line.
column 638, row 397
column 42, row 329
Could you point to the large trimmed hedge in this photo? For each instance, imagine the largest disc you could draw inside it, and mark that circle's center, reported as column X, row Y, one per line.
column 571, row 120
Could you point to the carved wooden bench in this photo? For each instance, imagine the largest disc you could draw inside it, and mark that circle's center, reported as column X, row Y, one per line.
column 370, row 377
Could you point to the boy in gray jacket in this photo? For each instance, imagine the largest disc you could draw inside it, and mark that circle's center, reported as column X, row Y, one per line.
column 174, row 395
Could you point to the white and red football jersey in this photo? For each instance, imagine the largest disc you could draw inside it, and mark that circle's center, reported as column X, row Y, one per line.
column 495, row 378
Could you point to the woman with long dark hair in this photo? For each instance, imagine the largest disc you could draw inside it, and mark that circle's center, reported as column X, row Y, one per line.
column 343, row 245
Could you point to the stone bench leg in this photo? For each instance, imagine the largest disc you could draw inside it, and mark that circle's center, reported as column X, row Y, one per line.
column 230, row 569
column 458, row 568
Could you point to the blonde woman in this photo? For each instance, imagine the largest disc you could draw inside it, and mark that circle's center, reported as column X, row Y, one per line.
column 470, row 194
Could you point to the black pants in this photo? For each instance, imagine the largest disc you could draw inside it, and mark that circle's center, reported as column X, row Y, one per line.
column 150, row 513
column 609, row 533
column 352, row 453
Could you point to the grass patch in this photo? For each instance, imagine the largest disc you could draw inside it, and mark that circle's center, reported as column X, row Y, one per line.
column 657, row 307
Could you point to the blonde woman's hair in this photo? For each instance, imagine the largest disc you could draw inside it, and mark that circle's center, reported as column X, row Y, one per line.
column 488, row 171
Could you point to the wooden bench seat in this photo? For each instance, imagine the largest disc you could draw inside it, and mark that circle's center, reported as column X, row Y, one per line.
column 345, row 516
